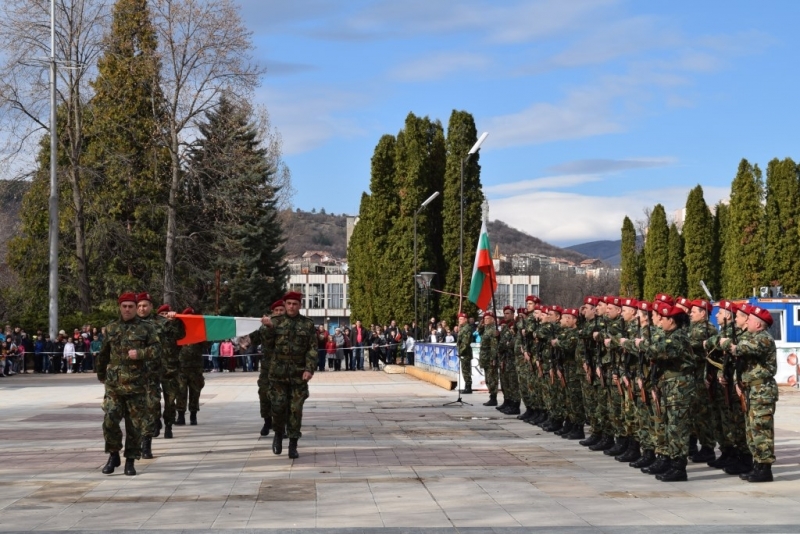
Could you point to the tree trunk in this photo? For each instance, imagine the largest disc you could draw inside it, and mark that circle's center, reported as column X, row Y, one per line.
column 75, row 134
column 172, row 222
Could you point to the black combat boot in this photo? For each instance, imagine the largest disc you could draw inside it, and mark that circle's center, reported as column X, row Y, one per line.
column 761, row 473
column 659, row 467
column 277, row 442
column 704, row 455
column 167, row 431
column 616, row 450
column 157, row 429
column 631, row 454
column 293, row 449
column 528, row 414
column 724, row 460
column 193, row 418
column 267, row 426
column 647, row 459
column 540, row 416
column 504, row 405
column 129, row 469
column 692, row 445
column 181, row 419
column 492, row 400
column 113, row 461
column 742, row 465
column 513, row 408
column 565, row 428
column 591, row 440
column 605, row 443
column 555, row 424
column 676, row 473
column 466, row 391
column 577, row 432
column 147, row 452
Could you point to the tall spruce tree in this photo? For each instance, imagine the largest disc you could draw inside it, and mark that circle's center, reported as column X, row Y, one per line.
column 128, row 163
column 656, row 250
column 227, row 214
column 419, row 170
column 698, row 238
column 718, row 251
column 461, row 136
column 782, row 221
column 629, row 277
column 362, row 267
column 676, row 269
column 744, row 234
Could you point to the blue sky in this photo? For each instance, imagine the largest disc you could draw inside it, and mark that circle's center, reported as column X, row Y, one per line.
column 595, row 109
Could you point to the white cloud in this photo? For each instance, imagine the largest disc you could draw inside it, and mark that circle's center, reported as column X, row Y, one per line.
column 592, row 166
column 538, row 184
column 570, row 218
column 437, row 66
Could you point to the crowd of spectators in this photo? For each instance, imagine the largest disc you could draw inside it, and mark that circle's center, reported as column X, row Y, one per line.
column 39, row 353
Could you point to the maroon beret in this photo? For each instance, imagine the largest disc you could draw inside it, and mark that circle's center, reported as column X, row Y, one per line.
column 277, row 304
column 293, row 295
column 163, row 308
column 127, row 297
column 144, row 296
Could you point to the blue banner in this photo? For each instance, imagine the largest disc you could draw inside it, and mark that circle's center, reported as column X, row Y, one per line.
column 441, row 358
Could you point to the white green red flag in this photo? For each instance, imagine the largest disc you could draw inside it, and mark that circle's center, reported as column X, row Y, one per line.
column 201, row 328
column 484, row 278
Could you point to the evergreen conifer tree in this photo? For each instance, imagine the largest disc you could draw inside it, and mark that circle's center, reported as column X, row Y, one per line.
column 782, row 221
column 676, row 270
column 362, row 265
column 698, row 237
column 629, row 277
column 656, row 253
column 461, row 136
column 718, row 251
column 744, row 234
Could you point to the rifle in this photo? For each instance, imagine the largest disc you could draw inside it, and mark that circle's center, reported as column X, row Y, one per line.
column 642, row 394
column 627, row 374
column 708, row 376
column 614, row 372
column 744, row 400
column 726, row 367
column 597, row 361
column 654, row 392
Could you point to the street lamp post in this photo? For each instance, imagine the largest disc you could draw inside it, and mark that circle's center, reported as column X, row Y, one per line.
column 424, row 280
column 472, row 151
column 422, row 207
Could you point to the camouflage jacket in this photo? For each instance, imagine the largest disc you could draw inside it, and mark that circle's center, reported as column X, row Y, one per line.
column 488, row 354
column 609, row 329
column 292, row 344
column 546, row 333
column 698, row 333
column 672, row 351
column 587, row 348
column 464, row 341
column 505, row 343
column 759, row 354
column 120, row 373
column 172, row 330
column 191, row 356
column 568, row 341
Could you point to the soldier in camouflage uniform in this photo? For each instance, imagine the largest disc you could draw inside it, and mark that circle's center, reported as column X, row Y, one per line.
column 190, row 379
column 524, row 367
column 730, row 432
column 602, row 379
column 153, row 371
column 556, row 394
column 587, row 352
column 756, row 383
column 704, row 417
column 509, row 381
column 173, row 330
column 463, row 343
column 626, row 371
column 672, row 350
column 291, row 340
column 127, row 345
column 277, row 308
column 567, row 344
column 612, row 361
column 531, row 350
column 488, row 356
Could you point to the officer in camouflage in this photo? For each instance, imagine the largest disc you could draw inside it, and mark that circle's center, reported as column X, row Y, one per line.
column 191, row 380
column 127, row 345
column 463, row 343
column 488, row 356
column 567, row 343
column 291, row 340
column 509, row 382
column 757, row 384
column 153, row 372
column 277, row 308
column 174, row 330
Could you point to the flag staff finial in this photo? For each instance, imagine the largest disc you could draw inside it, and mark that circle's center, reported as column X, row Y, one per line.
column 485, row 210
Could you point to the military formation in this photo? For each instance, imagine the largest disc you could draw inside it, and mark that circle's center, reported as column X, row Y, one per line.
column 651, row 379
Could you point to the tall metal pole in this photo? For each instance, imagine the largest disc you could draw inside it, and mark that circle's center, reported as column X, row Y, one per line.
column 53, row 203
column 416, row 318
column 461, row 242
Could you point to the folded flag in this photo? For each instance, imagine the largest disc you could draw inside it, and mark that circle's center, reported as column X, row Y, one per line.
column 201, row 328
column 484, row 279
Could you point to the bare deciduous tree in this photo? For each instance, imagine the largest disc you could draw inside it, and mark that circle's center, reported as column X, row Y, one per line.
column 24, row 90
column 205, row 50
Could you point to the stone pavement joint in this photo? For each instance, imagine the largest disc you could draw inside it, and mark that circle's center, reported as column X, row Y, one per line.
column 379, row 453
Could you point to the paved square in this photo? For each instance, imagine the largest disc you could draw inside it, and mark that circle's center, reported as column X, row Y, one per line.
column 379, row 452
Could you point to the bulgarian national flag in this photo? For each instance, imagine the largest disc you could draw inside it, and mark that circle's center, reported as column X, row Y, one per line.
column 484, row 279
column 215, row 328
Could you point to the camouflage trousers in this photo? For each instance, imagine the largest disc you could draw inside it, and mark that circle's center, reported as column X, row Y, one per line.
column 600, row 408
column 263, row 391
column 644, row 430
column 153, row 406
column 537, row 390
column 287, row 397
column 588, row 391
column 760, row 422
column 133, row 410
column 704, row 417
column 677, row 393
column 491, row 376
column 576, row 413
column 190, row 383
column 614, row 407
column 171, row 389
column 525, row 379
column 730, row 428
column 509, row 381
column 466, row 370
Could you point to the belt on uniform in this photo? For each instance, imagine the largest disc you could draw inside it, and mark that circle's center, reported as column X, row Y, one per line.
column 666, row 375
column 754, row 383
